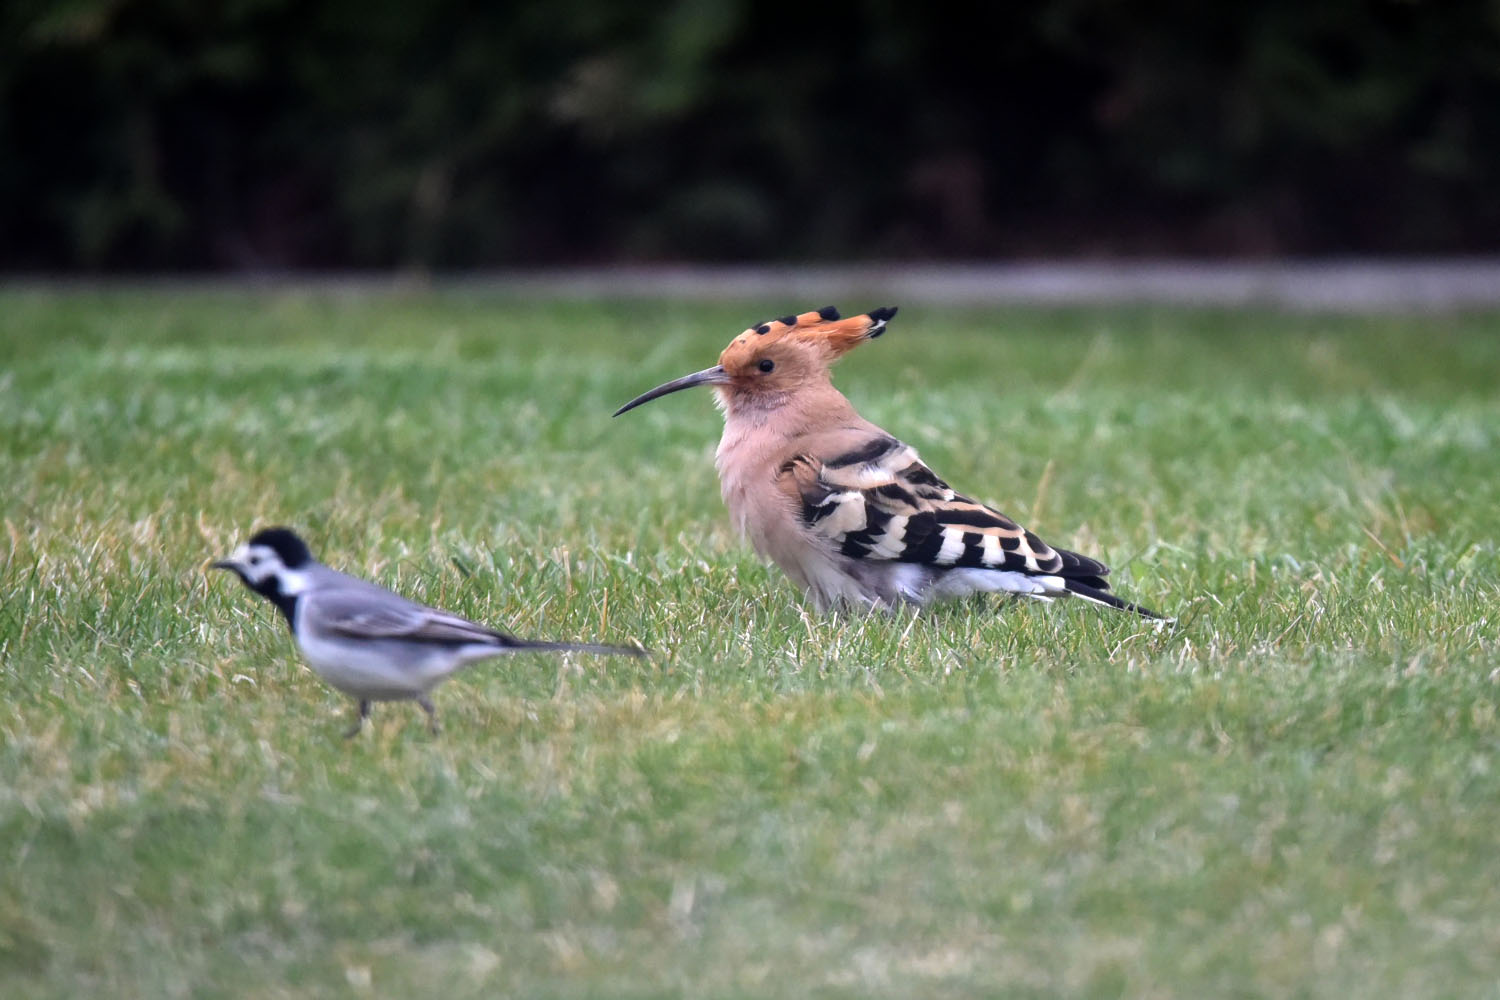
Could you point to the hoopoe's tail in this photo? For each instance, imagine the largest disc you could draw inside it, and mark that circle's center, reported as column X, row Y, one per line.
column 1104, row 597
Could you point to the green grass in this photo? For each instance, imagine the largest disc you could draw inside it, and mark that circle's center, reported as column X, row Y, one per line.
column 1294, row 794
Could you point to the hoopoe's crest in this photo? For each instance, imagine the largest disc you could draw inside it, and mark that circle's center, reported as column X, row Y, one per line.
column 848, row 511
column 822, row 330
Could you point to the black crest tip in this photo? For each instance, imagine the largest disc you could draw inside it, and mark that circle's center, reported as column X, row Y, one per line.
column 878, row 318
column 788, row 320
column 288, row 546
column 828, row 314
column 763, row 329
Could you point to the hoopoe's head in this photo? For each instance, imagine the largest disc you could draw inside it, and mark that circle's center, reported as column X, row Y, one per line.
column 771, row 361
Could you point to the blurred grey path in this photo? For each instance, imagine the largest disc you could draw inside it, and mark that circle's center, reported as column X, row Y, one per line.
column 1343, row 285
column 1325, row 284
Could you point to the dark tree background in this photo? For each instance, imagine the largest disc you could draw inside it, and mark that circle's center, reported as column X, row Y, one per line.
column 441, row 133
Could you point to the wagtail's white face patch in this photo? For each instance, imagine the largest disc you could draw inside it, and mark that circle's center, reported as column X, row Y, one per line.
column 259, row 565
column 255, row 563
column 294, row 582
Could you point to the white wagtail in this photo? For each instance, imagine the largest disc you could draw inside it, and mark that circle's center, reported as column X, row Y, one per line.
column 370, row 643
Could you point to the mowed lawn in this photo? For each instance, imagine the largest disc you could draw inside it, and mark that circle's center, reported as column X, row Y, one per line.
column 1296, row 793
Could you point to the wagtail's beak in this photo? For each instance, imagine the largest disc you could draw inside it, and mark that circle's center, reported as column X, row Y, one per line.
column 708, row 376
column 228, row 564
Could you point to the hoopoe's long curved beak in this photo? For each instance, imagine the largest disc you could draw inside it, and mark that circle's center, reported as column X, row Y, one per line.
column 708, row 376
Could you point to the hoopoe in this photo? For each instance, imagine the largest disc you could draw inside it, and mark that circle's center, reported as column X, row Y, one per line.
column 845, row 509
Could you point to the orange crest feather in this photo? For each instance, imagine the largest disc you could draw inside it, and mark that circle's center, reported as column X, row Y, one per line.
column 820, row 328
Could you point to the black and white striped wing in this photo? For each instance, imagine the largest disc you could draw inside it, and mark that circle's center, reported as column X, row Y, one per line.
column 878, row 501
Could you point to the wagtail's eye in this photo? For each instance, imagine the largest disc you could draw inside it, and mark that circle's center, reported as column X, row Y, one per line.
column 767, row 365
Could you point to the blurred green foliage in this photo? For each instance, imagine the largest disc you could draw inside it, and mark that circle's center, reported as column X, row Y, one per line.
column 273, row 133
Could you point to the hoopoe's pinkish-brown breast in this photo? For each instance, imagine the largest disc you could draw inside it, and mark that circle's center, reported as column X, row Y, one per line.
column 757, row 458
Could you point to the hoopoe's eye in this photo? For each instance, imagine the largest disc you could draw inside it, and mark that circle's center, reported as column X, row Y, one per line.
column 767, row 365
